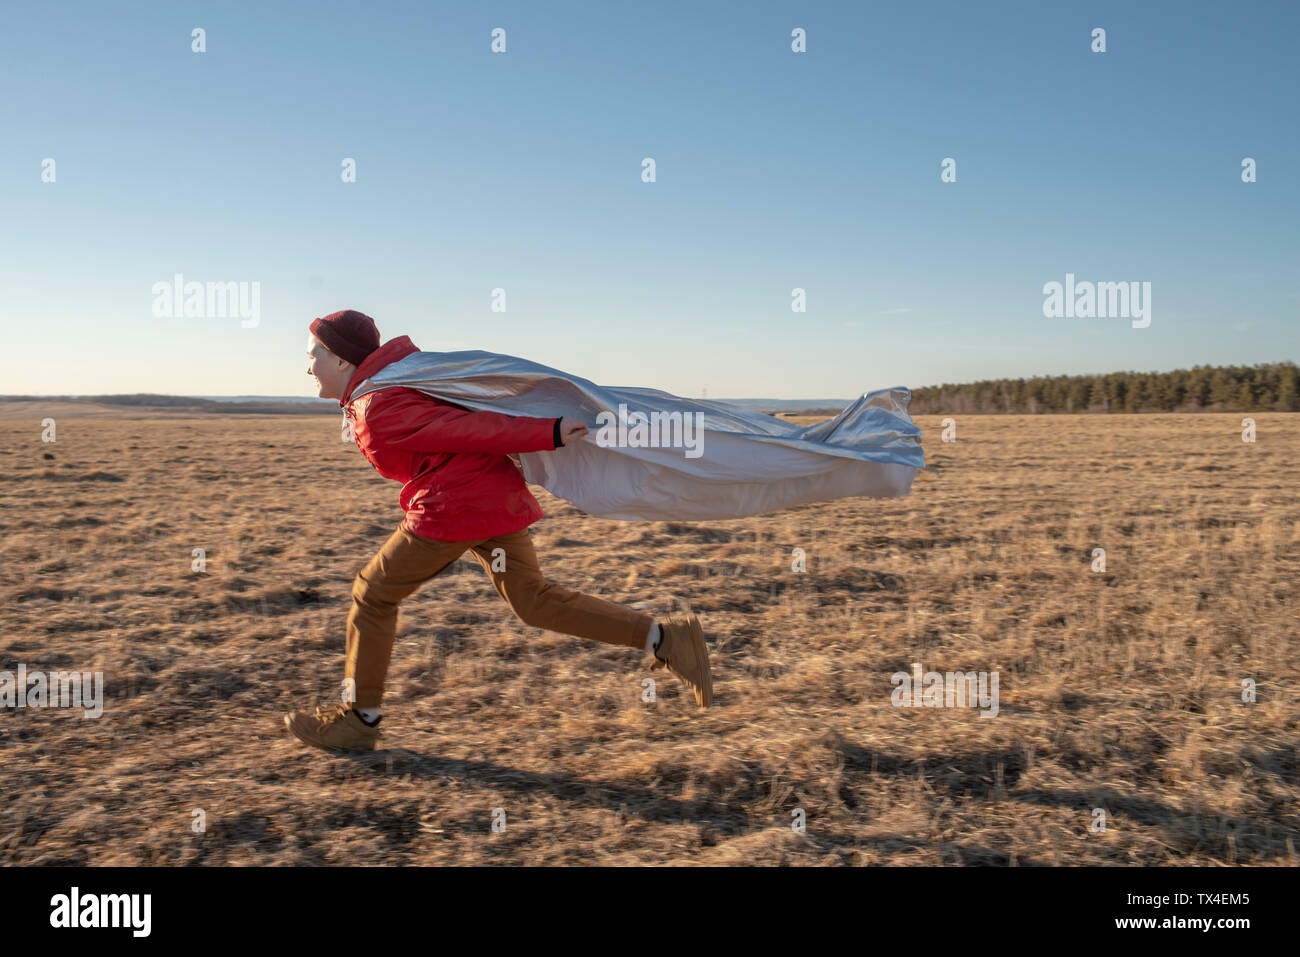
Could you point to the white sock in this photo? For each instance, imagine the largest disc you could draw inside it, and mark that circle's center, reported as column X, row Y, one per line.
column 370, row 714
column 652, row 637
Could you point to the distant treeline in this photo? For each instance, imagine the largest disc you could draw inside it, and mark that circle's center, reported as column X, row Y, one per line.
column 1270, row 387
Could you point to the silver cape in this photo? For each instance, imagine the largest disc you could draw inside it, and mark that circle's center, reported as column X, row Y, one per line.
column 746, row 463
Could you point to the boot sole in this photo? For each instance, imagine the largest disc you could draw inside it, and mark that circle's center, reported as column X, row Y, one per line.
column 697, row 635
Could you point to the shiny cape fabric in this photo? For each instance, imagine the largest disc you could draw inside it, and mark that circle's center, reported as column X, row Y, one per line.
column 752, row 463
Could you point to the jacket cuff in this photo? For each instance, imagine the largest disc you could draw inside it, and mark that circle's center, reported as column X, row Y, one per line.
column 555, row 436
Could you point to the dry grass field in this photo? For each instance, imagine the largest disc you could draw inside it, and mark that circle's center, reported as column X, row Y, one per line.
column 1119, row 690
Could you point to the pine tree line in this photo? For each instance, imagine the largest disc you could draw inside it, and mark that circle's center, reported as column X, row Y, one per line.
column 1270, row 387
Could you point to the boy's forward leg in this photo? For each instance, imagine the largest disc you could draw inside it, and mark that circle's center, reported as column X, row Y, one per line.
column 401, row 566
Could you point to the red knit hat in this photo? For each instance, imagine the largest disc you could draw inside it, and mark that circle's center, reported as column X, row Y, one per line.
column 349, row 334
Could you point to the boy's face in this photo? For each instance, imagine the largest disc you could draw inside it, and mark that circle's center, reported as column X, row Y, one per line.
column 330, row 372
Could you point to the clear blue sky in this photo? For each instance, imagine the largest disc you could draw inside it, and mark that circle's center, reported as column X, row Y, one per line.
column 522, row 170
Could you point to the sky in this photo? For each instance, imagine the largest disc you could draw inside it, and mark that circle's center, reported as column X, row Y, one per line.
column 522, row 171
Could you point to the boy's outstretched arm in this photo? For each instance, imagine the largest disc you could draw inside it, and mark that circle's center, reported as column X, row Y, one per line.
column 412, row 421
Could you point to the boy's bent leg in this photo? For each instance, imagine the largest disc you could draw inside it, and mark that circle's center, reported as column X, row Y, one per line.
column 542, row 604
column 402, row 565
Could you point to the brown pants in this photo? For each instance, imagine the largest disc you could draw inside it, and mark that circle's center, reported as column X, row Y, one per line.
column 407, row 561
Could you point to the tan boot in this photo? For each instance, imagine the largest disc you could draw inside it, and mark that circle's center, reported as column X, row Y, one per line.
column 336, row 728
column 683, row 652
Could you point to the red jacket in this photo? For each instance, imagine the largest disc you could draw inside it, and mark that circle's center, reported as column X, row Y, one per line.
column 458, row 484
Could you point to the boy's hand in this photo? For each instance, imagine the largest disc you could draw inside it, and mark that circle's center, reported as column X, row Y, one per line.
column 571, row 429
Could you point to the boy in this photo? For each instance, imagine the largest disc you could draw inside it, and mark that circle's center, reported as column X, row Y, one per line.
column 461, row 492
